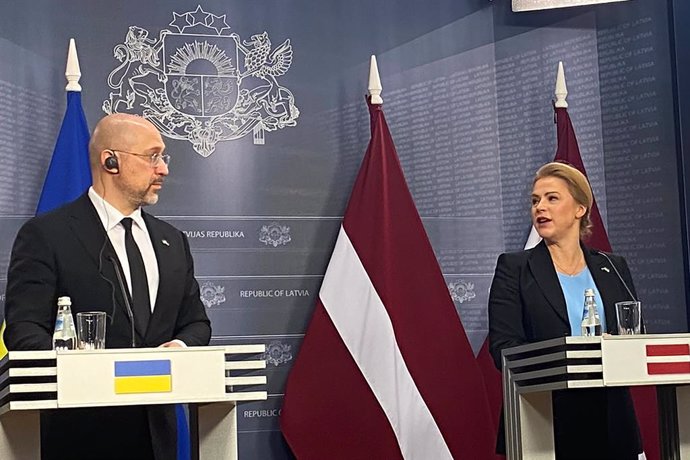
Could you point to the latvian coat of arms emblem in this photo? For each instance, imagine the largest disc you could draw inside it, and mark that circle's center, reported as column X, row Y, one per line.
column 199, row 81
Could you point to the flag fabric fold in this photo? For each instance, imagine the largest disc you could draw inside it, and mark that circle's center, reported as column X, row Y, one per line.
column 69, row 173
column 385, row 369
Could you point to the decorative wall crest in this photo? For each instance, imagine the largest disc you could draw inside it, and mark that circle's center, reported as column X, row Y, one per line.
column 200, row 82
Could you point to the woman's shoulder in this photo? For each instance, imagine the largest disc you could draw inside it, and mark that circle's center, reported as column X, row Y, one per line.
column 618, row 259
column 515, row 257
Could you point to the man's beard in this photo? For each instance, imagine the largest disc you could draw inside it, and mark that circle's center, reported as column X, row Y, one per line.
column 147, row 197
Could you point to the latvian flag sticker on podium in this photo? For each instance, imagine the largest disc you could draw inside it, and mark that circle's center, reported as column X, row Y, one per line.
column 668, row 359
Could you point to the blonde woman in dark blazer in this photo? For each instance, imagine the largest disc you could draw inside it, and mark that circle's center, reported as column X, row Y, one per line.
column 538, row 294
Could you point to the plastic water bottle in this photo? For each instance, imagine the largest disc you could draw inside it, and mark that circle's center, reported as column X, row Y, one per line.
column 65, row 335
column 591, row 323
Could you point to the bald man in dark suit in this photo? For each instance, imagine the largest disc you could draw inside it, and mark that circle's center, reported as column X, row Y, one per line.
column 75, row 251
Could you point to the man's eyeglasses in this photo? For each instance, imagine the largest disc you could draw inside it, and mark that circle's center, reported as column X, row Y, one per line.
column 154, row 158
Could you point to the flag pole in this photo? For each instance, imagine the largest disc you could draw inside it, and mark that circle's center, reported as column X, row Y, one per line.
column 72, row 71
column 561, row 91
column 374, row 82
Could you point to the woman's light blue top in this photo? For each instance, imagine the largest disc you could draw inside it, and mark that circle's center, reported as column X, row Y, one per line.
column 573, row 288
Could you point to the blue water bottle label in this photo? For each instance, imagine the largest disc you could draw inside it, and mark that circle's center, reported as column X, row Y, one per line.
column 59, row 324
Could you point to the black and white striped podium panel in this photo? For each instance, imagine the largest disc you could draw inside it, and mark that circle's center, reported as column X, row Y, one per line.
column 531, row 372
column 211, row 378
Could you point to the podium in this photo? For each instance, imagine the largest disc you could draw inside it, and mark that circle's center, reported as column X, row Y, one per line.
column 31, row 381
column 531, row 372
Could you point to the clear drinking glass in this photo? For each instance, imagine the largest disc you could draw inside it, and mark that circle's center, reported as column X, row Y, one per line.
column 629, row 317
column 91, row 330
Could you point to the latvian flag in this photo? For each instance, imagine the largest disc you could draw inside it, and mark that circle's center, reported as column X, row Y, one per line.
column 385, row 370
column 668, row 359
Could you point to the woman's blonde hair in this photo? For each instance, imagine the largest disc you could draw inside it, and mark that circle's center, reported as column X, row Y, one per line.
column 579, row 188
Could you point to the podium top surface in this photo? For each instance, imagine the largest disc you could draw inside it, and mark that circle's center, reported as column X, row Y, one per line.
column 610, row 360
column 595, row 341
column 52, row 354
column 130, row 376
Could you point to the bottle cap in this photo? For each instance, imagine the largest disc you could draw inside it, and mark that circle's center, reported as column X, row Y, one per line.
column 64, row 301
column 589, row 292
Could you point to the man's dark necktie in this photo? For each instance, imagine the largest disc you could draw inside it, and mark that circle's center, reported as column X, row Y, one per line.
column 141, row 304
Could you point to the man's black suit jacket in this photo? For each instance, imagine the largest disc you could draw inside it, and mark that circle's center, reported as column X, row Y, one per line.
column 66, row 253
column 526, row 304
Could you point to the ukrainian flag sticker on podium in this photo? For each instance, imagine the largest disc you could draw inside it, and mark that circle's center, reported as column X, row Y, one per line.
column 150, row 376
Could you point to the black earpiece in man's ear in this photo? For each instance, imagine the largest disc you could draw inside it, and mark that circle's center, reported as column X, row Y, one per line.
column 111, row 164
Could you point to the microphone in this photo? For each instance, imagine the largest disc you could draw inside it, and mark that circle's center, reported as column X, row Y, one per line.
column 618, row 275
column 125, row 296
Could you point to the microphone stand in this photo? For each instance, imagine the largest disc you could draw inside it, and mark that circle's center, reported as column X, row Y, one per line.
column 125, row 296
column 625, row 285
column 642, row 325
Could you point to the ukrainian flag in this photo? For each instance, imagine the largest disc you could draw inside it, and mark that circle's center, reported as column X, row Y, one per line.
column 152, row 376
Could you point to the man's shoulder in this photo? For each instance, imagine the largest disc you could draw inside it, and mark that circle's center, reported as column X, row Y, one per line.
column 61, row 213
column 160, row 225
